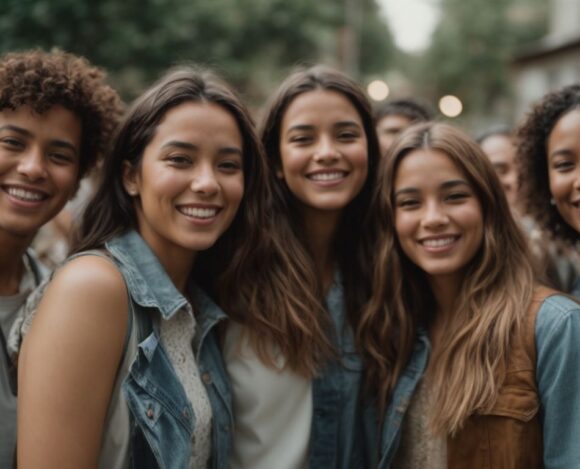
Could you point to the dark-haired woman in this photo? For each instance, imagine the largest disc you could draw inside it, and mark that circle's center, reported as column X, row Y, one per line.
column 549, row 153
column 479, row 363
column 296, row 378
column 108, row 376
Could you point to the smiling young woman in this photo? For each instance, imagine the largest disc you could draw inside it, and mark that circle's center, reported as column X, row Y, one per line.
column 299, row 404
column 181, row 205
column 466, row 342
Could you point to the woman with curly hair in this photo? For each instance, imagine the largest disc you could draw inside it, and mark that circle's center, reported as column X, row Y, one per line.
column 549, row 154
column 57, row 114
column 472, row 362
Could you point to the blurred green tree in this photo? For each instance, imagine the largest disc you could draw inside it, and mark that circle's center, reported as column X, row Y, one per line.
column 471, row 47
column 252, row 42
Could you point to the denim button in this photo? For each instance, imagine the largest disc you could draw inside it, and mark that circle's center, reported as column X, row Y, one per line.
column 185, row 412
column 150, row 414
column 206, row 378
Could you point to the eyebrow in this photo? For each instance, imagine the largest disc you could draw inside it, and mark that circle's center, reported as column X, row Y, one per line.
column 192, row 147
column 336, row 124
column 55, row 143
column 561, row 152
column 446, row 185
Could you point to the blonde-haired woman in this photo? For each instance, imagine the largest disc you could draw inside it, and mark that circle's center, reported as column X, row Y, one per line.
column 479, row 363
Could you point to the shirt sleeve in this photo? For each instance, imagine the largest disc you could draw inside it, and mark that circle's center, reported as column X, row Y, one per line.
column 558, row 377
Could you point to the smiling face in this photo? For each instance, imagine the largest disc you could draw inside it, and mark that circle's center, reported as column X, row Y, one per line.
column 438, row 218
column 564, row 167
column 190, row 181
column 39, row 167
column 323, row 150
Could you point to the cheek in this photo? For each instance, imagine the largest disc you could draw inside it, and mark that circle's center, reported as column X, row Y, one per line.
column 405, row 228
column 558, row 185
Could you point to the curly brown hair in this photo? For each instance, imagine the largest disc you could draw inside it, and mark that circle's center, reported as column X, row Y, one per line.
column 532, row 138
column 42, row 80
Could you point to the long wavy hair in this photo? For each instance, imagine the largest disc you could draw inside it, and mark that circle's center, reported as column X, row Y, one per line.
column 249, row 270
column 466, row 369
column 307, row 337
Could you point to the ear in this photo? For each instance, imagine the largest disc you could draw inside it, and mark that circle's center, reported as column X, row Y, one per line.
column 130, row 179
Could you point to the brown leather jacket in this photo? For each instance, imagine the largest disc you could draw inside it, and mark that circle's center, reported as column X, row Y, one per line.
column 509, row 436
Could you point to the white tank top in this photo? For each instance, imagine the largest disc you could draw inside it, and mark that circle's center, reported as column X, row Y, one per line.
column 272, row 408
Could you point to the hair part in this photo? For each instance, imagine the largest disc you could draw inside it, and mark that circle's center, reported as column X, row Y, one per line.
column 532, row 141
column 465, row 370
column 43, row 80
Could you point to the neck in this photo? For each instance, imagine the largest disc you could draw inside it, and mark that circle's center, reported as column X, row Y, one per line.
column 320, row 230
column 178, row 264
column 12, row 250
column 445, row 289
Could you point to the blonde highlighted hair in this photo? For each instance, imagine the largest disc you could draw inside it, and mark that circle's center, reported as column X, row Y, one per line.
column 466, row 369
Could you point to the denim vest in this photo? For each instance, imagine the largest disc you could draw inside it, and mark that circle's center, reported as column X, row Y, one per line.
column 557, row 330
column 162, row 419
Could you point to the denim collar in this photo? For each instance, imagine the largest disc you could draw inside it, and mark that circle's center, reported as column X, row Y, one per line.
column 147, row 280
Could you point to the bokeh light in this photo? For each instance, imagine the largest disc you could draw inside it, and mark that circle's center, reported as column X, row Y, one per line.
column 378, row 90
column 450, row 106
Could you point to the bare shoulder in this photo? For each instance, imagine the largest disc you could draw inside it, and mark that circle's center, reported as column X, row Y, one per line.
column 87, row 296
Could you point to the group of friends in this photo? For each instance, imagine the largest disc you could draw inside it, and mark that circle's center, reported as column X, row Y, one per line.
column 324, row 290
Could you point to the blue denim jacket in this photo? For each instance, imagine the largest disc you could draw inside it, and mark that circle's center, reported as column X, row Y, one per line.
column 337, row 439
column 162, row 417
column 558, row 360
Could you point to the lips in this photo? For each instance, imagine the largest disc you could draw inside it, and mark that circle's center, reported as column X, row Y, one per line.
column 203, row 213
column 327, row 176
column 25, row 194
column 436, row 244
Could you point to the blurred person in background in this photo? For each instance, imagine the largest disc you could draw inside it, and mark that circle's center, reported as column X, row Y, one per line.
column 498, row 145
column 57, row 115
column 392, row 117
column 549, row 155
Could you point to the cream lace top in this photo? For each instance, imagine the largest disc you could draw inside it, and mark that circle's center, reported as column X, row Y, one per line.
column 177, row 336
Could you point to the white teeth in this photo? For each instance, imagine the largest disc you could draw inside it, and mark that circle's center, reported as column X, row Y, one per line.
column 437, row 243
column 23, row 194
column 326, row 176
column 198, row 212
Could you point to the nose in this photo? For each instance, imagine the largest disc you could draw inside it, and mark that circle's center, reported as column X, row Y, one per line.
column 434, row 215
column 32, row 165
column 204, row 180
column 326, row 151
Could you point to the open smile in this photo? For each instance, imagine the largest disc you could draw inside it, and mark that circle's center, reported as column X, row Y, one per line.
column 437, row 244
column 23, row 196
column 327, row 177
column 200, row 214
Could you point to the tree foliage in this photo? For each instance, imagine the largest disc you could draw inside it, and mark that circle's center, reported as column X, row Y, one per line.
column 472, row 47
column 252, row 42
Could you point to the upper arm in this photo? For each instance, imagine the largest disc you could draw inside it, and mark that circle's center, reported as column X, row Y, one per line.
column 558, row 377
column 68, row 365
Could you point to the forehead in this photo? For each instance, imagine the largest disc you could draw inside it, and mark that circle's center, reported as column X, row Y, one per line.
column 426, row 168
column 568, row 126
column 318, row 106
column 500, row 145
column 192, row 118
column 55, row 124
column 393, row 121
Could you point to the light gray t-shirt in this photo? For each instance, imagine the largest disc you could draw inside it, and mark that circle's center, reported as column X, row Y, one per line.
column 9, row 306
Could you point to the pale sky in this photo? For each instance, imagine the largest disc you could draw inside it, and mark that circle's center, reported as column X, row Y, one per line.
column 411, row 22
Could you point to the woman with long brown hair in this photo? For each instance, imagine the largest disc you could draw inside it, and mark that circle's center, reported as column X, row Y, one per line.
column 108, row 376
column 295, row 378
column 472, row 363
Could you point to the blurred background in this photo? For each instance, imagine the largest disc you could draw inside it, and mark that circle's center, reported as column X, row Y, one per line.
column 494, row 57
